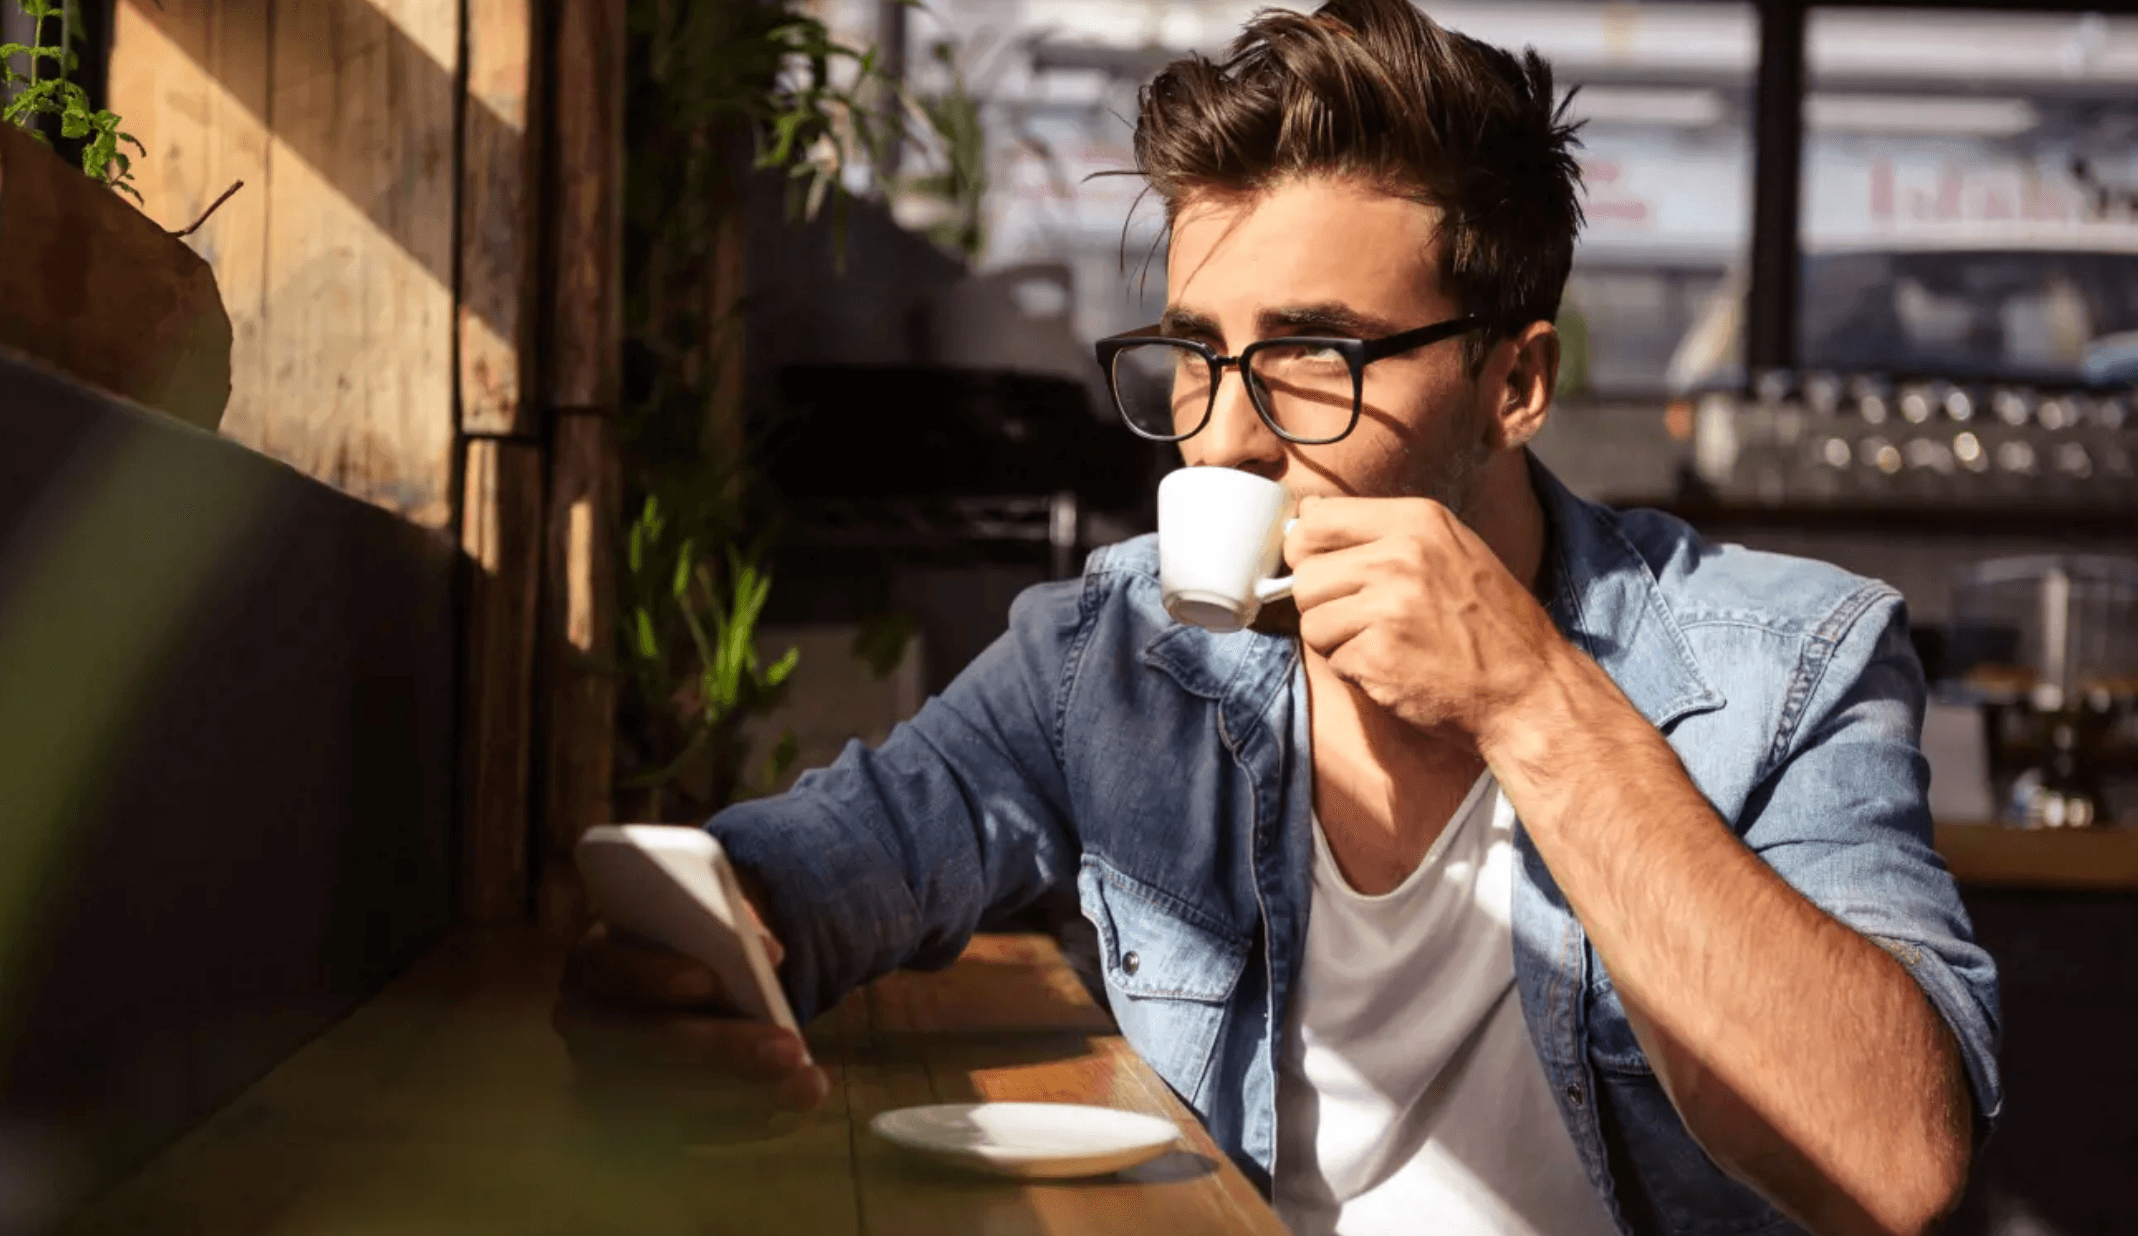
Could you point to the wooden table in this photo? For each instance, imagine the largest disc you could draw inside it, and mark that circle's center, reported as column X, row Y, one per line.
column 444, row 1107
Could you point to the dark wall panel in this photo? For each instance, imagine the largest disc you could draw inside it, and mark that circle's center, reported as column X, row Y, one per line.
column 2060, row 1160
column 256, row 829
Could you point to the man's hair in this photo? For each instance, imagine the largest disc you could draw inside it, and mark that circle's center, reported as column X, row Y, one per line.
column 1378, row 90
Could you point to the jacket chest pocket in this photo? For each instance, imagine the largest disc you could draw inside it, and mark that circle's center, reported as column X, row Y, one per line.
column 1169, row 974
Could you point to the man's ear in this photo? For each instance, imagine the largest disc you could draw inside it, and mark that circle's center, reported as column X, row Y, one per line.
column 1525, row 401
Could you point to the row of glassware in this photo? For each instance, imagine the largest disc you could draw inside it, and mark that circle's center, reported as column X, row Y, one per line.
column 1825, row 437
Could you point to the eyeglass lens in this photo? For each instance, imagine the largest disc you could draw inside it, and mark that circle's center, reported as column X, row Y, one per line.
column 1307, row 391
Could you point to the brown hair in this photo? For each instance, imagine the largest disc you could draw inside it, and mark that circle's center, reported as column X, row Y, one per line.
column 1377, row 89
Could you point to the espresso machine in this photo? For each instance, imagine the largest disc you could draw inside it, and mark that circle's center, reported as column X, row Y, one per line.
column 2049, row 643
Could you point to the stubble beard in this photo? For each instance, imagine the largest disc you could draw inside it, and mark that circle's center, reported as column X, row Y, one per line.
column 1449, row 475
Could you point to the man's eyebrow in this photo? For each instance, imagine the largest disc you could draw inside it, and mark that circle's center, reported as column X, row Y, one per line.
column 1328, row 318
column 1189, row 324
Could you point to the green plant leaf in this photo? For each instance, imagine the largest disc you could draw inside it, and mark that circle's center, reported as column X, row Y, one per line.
column 882, row 641
column 680, row 584
column 704, row 643
column 778, row 672
column 700, row 735
column 649, row 644
column 36, row 98
column 778, row 762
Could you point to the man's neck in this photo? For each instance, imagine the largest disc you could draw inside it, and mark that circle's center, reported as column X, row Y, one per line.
column 1385, row 790
column 1507, row 514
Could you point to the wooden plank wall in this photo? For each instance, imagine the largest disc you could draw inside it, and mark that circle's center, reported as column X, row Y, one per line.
column 190, row 80
column 374, row 353
column 337, row 257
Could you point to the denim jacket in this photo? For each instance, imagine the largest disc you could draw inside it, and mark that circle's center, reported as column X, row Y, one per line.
column 1166, row 772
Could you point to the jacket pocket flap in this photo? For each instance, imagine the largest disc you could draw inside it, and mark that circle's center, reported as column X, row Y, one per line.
column 1153, row 946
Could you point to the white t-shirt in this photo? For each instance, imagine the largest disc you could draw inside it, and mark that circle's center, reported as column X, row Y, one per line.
column 1409, row 1097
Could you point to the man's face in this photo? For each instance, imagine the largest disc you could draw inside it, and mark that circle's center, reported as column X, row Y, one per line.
column 1326, row 256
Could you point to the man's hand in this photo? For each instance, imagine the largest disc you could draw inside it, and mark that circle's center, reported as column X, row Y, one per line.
column 652, row 1032
column 1415, row 610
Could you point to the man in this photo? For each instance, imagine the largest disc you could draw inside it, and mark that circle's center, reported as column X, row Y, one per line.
column 1560, row 873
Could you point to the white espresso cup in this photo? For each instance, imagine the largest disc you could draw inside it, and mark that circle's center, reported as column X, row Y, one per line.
column 1220, row 538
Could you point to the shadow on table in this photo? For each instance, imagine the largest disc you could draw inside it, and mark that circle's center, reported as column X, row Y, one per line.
column 1007, row 993
column 1173, row 1167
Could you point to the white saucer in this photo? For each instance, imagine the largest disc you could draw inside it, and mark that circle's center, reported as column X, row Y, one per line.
column 1036, row 1140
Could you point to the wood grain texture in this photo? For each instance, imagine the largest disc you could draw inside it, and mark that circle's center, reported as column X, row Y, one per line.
column 586, row 350
column 360, row 331
column 501, row 536
column 1994, row 856
column 447, row 1105
column 1010, row 1022
column 190, row 79
column 498, row 219
column 578, row 683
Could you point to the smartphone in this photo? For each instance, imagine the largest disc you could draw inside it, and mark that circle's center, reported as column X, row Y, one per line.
column 671, row 885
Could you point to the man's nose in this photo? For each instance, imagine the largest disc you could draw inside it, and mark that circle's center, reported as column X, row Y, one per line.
column 1236, row 436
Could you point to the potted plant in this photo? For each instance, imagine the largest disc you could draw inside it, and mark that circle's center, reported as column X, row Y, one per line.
column 88, row 284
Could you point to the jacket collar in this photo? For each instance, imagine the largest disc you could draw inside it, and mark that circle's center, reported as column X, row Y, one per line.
column 1606, row 599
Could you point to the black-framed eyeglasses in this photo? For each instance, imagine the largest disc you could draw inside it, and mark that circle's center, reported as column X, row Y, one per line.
column 1307, row 388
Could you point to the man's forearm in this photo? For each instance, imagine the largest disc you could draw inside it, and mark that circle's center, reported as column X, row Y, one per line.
column 1802, row 1057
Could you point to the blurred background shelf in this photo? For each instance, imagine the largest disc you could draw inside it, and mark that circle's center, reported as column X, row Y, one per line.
column 2058, row 522
column 1994, row 855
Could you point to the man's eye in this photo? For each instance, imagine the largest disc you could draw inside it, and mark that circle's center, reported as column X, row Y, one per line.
column 1303, row 353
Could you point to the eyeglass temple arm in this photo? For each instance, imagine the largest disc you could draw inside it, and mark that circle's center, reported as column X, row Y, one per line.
column 1409, row 340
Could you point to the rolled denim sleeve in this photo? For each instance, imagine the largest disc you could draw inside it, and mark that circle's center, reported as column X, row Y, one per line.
column 890, row 856
column 1845, row 819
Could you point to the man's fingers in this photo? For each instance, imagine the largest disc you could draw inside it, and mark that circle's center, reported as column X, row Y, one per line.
column 1329, row 524
column 805, row 1089
column 615, row 969
column 1329, row 626
column 1332, row 576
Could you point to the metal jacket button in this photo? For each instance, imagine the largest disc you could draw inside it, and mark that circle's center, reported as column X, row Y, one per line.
column 1129, row 962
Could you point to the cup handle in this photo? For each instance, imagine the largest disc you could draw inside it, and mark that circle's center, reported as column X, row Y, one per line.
column 1281, row 587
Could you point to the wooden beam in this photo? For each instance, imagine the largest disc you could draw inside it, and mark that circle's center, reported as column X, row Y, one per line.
column 725, row 428
column 497, row 307
column 586, row 345
column 1777, row 188
column 578, row 658
column 584, row 384
column 502, row 539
